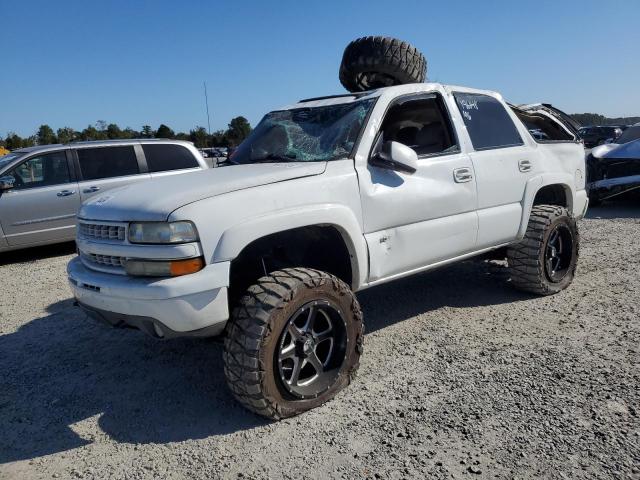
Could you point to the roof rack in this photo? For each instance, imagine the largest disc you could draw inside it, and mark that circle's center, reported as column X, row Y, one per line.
column 342, row 95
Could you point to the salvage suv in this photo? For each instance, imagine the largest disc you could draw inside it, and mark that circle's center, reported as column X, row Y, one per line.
column 327, row 197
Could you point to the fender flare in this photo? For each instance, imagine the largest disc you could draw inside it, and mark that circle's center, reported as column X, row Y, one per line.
column 534, row 185
column 236, row 238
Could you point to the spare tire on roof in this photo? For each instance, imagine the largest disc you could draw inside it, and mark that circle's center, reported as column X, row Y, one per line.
column 375, row 62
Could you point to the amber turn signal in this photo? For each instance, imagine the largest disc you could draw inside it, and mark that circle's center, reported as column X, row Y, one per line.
column 184, row 267
column 163, row 268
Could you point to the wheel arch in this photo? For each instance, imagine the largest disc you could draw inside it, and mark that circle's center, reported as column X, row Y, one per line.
column 235, row 240
column 550, row 189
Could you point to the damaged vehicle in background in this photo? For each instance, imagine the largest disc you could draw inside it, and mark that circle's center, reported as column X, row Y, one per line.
column 613, row 169
column 594, row 136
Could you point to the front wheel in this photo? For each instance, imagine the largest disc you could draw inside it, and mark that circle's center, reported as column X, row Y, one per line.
column 544, row 262
column 293, row 343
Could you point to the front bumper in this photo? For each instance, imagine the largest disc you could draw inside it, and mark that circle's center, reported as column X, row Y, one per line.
column 191, row 305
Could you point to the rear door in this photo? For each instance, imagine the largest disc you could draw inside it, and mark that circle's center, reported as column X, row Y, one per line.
column 168, row 159
column 104, row 168
column 43, row 204
column 503, row 164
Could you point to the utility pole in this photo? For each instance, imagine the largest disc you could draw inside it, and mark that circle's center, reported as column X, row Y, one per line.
column 206, row 101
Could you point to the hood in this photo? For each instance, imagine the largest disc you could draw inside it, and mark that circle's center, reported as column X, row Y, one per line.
column 154, row 200
column 602, row 150
column 630, row 150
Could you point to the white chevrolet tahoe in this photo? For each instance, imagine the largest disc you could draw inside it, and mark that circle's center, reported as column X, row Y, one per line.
column 327, row 197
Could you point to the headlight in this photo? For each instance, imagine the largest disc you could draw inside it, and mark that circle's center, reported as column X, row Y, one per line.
column 162, row 232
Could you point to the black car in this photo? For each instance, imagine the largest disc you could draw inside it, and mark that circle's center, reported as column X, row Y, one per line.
column 594, row 136
column 614, row 169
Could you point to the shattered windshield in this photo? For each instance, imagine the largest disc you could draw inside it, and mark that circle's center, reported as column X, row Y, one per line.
column 305, row 134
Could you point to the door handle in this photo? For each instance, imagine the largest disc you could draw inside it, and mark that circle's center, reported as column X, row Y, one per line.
column 91, row 189
column 524, row 165
column 65, row 193
column 462, row 175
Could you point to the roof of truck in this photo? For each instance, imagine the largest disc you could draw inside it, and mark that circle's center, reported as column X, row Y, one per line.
column 379, row 92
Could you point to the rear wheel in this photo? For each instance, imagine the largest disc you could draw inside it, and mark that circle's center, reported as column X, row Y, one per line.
column 544, row 262
column 293, row 343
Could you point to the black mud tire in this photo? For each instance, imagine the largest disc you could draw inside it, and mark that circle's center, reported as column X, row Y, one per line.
column 254, row 333
column 375, row 62
column 527, row 258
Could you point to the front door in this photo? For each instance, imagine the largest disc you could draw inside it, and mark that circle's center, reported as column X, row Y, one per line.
column 415, row 220
column 42, row 205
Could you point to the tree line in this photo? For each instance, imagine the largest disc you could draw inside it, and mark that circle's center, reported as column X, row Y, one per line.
column 238, row 129
column 587, row 119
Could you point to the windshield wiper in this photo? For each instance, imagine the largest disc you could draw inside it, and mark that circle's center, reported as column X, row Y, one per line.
column 227, row 161
column 273, row 157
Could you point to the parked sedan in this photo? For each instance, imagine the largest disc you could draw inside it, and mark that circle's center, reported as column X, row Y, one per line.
column 614, row 169
column 41, row 188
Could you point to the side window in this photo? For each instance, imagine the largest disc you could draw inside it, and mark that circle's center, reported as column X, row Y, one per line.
column 105, row 162
column 42, row 171
column 422, row 123
column 163, row 157
column 487, row 122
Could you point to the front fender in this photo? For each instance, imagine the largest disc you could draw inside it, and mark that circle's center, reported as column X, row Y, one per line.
column 236, row 238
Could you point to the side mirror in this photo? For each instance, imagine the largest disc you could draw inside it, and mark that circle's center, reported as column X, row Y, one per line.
column 395, row 156
column 7, row 182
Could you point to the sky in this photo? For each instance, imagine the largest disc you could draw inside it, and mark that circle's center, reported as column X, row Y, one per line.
column 140, row 62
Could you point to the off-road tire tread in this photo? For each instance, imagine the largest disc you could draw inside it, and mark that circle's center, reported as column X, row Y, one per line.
column 527, row 271
column 386, row 55
column 250, row 326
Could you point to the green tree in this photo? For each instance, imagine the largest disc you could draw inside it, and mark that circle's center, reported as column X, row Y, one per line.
column 199, row 137
column 13, row 141
column 90, row 133
column 45, row 135
column 113, row 131
column 219, row 139
column 147, row 132
column 101, row 126
column 239, row 129
column 164, row 132
column 129, row 133
column 29, row 141
column 66, row 135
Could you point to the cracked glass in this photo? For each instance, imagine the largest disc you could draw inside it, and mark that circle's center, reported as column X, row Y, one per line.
column 310, row 134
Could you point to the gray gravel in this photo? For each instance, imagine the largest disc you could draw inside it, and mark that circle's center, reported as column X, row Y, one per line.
column 461, row 377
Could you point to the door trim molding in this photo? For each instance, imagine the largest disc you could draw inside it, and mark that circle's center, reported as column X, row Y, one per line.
column 45, row 219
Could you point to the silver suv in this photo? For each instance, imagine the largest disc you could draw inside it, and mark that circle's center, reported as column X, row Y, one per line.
column 41, row 188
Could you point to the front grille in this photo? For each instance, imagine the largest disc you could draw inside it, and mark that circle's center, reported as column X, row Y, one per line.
column 101, row 231
column 93, row 260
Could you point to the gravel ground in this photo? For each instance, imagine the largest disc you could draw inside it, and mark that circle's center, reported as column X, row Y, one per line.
column 461, row 377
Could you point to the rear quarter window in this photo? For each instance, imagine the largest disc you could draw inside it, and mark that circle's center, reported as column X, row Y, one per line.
column 163, row 157
column 487, row 121
column 106, row 162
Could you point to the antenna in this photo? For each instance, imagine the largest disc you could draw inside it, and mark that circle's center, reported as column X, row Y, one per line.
column 206, row 101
